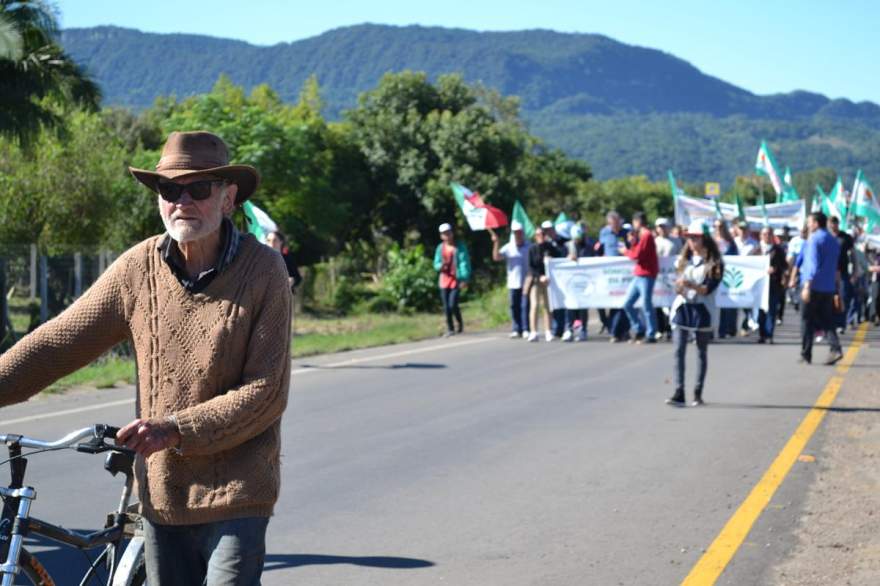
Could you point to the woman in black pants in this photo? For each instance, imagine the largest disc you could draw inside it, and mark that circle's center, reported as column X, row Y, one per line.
column 700, row 268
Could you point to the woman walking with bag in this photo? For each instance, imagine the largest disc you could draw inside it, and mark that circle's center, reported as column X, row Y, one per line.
column 700, row 268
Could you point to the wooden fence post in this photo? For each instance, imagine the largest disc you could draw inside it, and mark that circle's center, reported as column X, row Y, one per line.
column 33, row 272
column 77, row 274
column 44, row 288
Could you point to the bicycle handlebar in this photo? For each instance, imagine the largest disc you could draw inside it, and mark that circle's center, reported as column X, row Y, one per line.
column 95, row 432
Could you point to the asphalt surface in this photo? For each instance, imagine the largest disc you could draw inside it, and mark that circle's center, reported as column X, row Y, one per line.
column 480, row 460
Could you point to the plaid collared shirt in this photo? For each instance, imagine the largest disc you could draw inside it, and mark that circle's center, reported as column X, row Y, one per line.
column 231, row 238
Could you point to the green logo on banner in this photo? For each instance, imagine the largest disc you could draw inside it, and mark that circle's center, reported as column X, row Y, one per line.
column 733, row 278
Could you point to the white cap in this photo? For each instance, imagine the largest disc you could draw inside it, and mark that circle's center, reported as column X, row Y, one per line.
column 546, row 224
column 627, row 226
column 697, row 227
column 577, row 231
column 662, row 222
column 516, row 225
column 445, row 227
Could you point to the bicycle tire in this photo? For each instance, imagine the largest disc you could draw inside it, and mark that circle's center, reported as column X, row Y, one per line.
column 33, row 570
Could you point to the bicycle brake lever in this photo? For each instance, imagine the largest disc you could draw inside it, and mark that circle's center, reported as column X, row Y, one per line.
column 93, row 446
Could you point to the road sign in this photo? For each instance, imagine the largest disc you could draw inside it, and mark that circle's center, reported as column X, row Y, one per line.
column 713, row 189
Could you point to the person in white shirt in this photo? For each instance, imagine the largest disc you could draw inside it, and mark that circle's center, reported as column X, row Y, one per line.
column 795, row 245
column 745, row 243
column 516, row 254
column 666, row 245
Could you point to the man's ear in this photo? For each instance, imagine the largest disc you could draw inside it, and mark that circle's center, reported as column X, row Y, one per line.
column 229, row 200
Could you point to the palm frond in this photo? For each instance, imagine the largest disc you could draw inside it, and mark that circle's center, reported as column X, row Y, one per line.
column 11, row 43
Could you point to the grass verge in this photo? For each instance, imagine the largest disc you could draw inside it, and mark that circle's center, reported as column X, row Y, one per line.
column 322, row 335
column 103, row 373
column 325, row 335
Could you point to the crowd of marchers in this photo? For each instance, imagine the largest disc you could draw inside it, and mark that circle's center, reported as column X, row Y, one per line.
column 830, row 276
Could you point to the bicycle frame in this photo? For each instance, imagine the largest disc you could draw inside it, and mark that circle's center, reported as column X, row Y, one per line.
column 16, row 525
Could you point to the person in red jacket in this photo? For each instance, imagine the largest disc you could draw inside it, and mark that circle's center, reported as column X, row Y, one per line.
column 644, row 252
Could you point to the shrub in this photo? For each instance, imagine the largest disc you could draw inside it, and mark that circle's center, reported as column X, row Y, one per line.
column 411, row 280
column 348, row 294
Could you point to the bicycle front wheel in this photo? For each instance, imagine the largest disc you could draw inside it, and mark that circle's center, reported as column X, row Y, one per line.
column 32, row 571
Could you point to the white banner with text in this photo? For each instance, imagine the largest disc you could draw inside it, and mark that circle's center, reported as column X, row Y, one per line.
column 604, row 281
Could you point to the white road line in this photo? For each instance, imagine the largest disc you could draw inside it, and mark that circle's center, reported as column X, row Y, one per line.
column 319, row 367
column 97, row 407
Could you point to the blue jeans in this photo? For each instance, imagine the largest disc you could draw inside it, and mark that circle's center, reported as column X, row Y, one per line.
column 225, row 553
column 449, row 297
column 519, row 310
column 767, row 319
column 641, row 287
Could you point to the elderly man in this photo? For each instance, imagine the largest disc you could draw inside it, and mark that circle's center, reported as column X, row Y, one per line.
column 207, row 310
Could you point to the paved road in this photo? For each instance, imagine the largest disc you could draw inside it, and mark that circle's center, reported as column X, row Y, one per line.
column 480, row 461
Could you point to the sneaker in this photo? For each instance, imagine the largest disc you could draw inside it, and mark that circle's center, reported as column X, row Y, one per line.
column 660, row 336
column 449, row 334
column 614, row 340
column 841, row 331
column 651, row 340
column 582, row 336
column 567, row 336
column 526, row 335
column 834, row 357
column 533, row 337
column 762, row 340
column 819, row 338
column 697, row 402
column 514, row 335
column 548, row 336
column 805, row 360
column 676, row 400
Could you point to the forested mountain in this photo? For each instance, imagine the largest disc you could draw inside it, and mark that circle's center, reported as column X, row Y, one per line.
column 624, row 109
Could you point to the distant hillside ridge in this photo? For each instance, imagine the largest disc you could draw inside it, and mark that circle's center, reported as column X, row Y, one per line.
column 575, row 89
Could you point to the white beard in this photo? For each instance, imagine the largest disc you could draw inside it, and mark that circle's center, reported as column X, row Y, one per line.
column 190, row 231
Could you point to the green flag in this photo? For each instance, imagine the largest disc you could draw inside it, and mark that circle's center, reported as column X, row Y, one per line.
column 818, row 198
column 766, row 165
column 258, row 222
column 676, row 190
column 834, row 204
column 864, row 200
column 764, row 211
column 519, row 215
column 718, row 213
column 740, row 210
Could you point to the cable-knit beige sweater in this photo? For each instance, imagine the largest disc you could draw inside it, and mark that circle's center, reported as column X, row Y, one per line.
column 219, row 360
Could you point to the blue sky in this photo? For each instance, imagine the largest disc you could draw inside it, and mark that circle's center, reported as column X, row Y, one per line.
column 767, row 46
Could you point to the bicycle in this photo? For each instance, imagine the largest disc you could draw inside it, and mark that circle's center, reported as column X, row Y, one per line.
column 16, row 523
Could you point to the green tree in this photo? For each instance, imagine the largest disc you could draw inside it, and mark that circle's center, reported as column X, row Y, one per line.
column 32, row 67
column 292, row 147
column 627, row 196
column 416, row 137
column 64, row 195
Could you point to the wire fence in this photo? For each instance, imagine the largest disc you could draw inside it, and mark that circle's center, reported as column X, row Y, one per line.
column 36, row 287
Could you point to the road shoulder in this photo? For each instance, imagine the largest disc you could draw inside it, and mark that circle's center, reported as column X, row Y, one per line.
column 837, row 538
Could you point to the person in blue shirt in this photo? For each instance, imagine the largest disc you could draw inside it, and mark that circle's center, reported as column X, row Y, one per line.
column 820, row 279
column 611, row 237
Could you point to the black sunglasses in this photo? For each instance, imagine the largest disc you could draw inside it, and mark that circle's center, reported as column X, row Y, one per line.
column 198, row 190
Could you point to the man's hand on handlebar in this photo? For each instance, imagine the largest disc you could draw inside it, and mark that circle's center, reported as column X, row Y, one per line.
column 148, row 436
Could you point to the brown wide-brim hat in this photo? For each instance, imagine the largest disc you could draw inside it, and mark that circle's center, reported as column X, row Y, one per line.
column 199, row 153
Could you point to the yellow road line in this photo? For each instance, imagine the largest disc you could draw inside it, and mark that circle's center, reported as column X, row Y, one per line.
column 710, row 566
